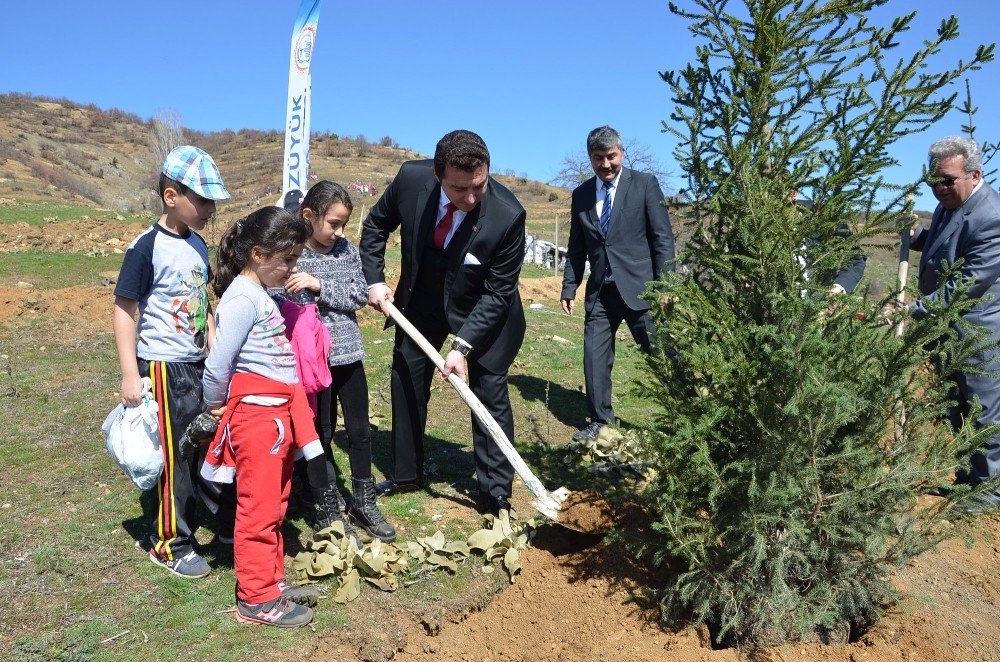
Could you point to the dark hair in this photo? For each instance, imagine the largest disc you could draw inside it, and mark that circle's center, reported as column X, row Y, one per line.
column 461, row 149
column 166, row 182
column 602, row 139
column 273, row 229
column 323, row 194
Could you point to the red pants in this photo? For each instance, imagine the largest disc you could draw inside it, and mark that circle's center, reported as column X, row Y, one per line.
column 257, row 443
column 261, row 439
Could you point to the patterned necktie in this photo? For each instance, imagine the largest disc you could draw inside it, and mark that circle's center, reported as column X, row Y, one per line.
column 606, row 209
column 938, row 227
column 443, row 227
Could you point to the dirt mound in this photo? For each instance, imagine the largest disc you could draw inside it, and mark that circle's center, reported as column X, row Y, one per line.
column 541, row 289
column 587, row 513
column 98, row 234
column 77, row 310
column 579, row 598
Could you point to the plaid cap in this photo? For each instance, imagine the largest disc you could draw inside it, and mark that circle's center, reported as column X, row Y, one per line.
column 195, row 169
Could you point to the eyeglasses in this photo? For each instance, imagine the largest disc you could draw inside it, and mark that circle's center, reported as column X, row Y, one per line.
column 944, row 181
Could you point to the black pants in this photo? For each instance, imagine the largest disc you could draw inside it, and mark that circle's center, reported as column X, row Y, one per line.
column 350, row 387
column 177, row 392
column 412, row 374
column 600, row 326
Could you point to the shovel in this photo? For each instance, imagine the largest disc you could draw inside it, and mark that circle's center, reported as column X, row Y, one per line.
column 901, row 276
column 904, row 265
column 547, row 503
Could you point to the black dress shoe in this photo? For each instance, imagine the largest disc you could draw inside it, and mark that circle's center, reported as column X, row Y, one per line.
column 980, row 504
column 588, row 433
column 499, row 503
column 390, row 487
column 483, row 502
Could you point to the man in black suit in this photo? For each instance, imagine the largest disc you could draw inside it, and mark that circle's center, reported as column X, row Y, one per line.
column 619, row 223
column 462, row 248
column 847, row 278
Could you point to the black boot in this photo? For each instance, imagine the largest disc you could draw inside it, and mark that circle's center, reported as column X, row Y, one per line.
column 329, row 509
column 365, row 512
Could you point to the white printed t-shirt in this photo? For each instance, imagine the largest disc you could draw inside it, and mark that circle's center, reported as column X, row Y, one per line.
column 168, row 275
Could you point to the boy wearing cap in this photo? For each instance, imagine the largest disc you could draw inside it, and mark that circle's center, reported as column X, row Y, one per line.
column 165, row 276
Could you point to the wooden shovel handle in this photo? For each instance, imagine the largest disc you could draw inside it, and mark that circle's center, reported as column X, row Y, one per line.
column 470, row 399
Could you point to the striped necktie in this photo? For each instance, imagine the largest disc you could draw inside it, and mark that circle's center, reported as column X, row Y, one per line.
column 606, row 209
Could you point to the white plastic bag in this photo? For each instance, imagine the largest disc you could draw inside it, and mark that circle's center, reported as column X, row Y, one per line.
column 134, row 439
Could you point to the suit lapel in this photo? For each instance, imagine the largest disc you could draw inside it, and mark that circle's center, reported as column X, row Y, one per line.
column 466, row 232
column 591, row 209
column 428, row 203
column 944, row 233
column 958, row 218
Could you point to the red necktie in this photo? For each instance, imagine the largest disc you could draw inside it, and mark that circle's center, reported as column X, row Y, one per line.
column 443, row 227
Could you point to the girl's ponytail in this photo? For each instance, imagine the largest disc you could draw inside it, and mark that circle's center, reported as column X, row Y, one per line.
column 272, row 229
column 230, row 260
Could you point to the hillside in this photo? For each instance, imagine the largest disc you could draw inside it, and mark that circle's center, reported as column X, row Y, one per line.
column 55, row 150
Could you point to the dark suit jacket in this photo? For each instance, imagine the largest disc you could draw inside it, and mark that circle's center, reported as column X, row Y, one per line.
column 850, row 274
column 481, row 301
column 972, row 234
column 639, row 245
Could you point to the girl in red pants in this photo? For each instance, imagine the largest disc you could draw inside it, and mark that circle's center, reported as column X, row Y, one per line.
column 250, row 381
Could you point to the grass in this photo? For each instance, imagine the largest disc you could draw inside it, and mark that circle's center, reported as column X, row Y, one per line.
column 70, row 574
column 48, row 270
column 38, row 213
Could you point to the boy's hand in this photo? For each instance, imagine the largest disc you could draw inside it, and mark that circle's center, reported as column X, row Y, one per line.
column 131, row 390
column 218, row 412
column 302, row 281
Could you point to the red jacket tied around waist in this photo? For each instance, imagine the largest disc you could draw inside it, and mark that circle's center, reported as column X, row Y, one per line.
column 220, row 463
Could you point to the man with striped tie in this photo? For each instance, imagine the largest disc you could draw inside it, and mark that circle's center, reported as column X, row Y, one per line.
column 619, row 223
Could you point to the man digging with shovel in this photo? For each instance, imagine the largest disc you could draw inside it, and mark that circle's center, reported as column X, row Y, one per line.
column 462, row 244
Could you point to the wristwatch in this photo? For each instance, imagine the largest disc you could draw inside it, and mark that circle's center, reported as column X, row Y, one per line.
column 461, row 347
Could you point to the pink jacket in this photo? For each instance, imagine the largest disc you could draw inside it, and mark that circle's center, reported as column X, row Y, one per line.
column 311, row 341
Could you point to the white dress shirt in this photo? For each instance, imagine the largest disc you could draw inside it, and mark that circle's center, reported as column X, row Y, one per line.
column 457, row 217
column 600, row 192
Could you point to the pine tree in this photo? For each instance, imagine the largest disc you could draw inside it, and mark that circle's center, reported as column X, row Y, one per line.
column 797, row 431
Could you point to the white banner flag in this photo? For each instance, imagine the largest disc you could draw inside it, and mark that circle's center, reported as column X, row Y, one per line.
column 295, row 175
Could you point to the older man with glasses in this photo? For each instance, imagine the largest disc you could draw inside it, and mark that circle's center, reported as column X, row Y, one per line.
column 966, row 227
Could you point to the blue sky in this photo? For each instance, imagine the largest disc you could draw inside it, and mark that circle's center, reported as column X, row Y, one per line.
column 531, row 77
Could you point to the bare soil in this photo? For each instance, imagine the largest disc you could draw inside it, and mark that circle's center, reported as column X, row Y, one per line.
column 541, row 289
column 73, row 310
column 581, row 598
column 97, row 234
